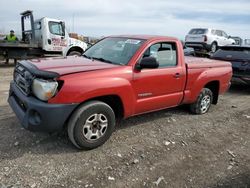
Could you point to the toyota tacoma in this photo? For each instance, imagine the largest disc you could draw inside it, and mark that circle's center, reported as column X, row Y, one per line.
column 118, row 77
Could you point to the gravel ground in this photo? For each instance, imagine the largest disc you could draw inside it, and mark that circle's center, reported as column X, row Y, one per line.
column 169, row 148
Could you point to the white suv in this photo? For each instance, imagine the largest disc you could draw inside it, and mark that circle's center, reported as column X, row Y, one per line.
column 207, row 39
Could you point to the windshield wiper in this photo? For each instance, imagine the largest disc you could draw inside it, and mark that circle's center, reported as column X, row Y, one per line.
column 86, row 56
column 102, row 60
column 118, row 63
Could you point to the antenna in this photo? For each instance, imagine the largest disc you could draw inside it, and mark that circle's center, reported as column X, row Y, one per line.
column 73, row 27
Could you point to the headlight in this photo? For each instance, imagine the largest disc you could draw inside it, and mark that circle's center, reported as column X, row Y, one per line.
column 43, row 89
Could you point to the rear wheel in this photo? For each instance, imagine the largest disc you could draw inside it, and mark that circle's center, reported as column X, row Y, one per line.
column 203, row 102
column 214, row 47
column 75, row 53
column 91, row 125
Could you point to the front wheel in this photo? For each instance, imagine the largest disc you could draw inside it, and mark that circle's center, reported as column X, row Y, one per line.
column 203, row 102
column 91, row 125
column 75, row 53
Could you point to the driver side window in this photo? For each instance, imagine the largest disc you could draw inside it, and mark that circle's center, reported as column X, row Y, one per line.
column 56, row 28
column 165, row 53
column 224, row 34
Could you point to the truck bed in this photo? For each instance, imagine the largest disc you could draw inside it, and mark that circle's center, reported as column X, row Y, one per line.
column 195, row 63
column 6, row 44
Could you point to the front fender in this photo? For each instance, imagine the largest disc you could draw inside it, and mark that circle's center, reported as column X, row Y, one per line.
column 79, row 91
column 74, row 43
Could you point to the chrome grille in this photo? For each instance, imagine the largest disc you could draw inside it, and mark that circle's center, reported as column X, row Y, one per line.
column 23, row 79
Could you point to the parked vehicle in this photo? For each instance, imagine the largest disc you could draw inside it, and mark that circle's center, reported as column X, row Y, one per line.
column 239, row 56
column 238, row 40
column 207, row 40
column 247, row 42
column 118, row 77
column 45, row 37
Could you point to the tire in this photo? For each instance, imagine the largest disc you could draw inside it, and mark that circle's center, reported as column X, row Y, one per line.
column 74, row 53
column 203, row 102
column 214, row 47
column 91, row 125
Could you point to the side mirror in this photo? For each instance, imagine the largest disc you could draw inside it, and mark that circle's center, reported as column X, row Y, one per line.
column 147, row 63
column 63, row 28
column 229, row 36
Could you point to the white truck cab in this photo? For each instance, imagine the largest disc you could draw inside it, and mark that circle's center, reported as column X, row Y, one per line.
column 51, row 36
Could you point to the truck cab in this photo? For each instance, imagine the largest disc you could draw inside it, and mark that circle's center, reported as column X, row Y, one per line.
column 52, row 36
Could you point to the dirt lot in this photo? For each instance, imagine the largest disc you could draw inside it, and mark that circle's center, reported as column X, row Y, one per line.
column 170, row 148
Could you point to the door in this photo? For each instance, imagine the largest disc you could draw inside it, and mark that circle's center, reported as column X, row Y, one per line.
column 54, row 36
column 225, row 39
column 219, row 38
column 161, row 87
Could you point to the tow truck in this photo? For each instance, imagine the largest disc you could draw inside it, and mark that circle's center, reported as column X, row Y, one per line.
column 43, row 37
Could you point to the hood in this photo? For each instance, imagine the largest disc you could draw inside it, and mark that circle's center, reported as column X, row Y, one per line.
column 70, row 65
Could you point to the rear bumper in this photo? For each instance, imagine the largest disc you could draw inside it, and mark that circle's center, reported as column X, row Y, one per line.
column 36, row 115
column 198, row 46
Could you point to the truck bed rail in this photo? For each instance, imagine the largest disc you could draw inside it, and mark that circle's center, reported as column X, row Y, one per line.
column 6, row 44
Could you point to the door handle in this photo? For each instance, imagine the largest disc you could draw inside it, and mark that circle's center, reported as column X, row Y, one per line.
column 177, row 75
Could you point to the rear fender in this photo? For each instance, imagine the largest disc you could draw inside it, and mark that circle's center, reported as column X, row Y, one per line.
column 194, row 87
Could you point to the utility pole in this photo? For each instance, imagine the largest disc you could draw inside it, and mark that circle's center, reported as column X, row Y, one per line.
column 73, row 27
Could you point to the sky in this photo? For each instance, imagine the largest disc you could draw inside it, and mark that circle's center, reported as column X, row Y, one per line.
column 156, row 17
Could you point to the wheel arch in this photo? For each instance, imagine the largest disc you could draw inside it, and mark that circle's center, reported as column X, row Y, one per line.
column 75, row 48
column 215, row 41
column 114, row 101
column 214, row 86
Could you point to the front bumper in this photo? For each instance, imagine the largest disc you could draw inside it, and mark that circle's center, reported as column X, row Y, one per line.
column 36, row 115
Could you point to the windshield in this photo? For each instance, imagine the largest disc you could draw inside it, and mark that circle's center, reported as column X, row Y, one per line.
column 197, row 31
column 233, row 53
column 114, row 50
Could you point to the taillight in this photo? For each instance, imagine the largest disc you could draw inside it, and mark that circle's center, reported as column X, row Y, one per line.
column 205, row 38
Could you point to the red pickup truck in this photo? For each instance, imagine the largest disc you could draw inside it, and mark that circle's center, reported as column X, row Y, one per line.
column 118, row 77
